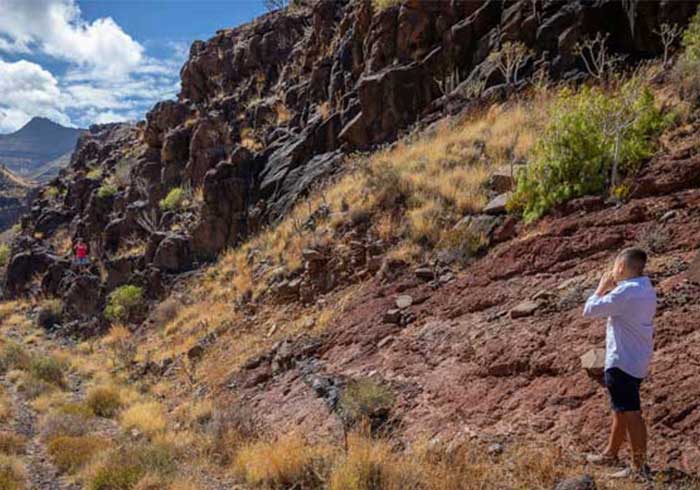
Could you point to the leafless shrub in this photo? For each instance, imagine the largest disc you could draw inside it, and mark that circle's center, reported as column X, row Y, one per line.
column 668, row 33
column 600, row 63
column 510, row 59
column 474, row 88
column 449, row 81
column 619, row 119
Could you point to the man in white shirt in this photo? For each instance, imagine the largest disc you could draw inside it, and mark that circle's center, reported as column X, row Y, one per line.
column 628, row 300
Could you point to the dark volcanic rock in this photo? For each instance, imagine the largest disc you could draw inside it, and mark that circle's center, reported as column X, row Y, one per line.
column 173, row 254
column 82, row 298
column 269, row 109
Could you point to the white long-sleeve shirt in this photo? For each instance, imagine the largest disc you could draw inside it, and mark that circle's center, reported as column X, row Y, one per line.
column 630, row 310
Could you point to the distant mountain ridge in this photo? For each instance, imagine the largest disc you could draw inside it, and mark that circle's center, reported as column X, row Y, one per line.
column 38, row 143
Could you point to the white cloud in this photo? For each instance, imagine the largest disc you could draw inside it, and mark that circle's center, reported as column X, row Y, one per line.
column 106, row 74
column 56, row 28
column 29, row 91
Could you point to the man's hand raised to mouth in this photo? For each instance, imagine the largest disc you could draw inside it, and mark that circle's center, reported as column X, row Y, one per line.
column 607, row 283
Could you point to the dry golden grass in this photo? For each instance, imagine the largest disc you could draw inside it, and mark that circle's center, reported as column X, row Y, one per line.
column 49, row 401
column 70, row 454
column 120, row 342
column 104, row 401
column 439, row 177
column 146, row 417
column 13, row 473
column 5, row 409
column 12, row 443
column 283, row 463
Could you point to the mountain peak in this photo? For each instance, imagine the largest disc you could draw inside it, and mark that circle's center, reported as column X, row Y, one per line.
column 41, row 123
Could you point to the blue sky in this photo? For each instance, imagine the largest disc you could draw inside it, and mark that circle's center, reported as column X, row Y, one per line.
column 80, row 62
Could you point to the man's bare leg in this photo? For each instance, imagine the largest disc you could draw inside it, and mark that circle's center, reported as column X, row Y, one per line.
column 637, row 431
column 617, row 435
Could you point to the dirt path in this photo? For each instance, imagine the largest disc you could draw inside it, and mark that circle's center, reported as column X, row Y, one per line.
column 42, row 473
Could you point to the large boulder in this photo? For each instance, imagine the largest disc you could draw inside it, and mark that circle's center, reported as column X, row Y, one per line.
column 222, row 219
column 163, row 117
column 83, row 296
column 174, row 154
column 50, row 220
column 121, row 269
column 210, row 143
column 23, row 267
column 389, row 101
column 174, row 254
column 51, row 282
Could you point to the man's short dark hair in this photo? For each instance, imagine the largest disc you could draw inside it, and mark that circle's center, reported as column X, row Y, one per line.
column 635, row 258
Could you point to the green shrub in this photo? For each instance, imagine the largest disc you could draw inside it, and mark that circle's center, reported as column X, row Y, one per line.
column 106, row 190
column 48, row 369
column 94, row 173
column 691, row 39
column 575, row 154
column 104, row 401
column 51, row 192
column 112, row 477
column 175, row 199
column 124, row 302
column 4, row 254
column 686, row 72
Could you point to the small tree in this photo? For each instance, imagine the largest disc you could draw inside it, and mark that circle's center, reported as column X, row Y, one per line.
column 619, row 117
column 510, row 59
column 600, row 63
column 668, row 34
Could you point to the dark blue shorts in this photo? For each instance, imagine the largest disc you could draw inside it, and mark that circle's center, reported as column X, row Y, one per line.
column 623, row 389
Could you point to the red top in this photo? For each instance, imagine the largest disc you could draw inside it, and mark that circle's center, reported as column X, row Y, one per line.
column 81, row 250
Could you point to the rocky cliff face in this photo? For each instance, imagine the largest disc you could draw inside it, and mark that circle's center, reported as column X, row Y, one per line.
column 267, row 110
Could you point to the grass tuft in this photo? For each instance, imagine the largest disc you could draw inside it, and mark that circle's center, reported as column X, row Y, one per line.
column 104, row 401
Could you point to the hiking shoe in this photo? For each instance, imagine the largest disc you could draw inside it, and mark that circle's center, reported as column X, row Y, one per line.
column 642, row 474
column 603, row 459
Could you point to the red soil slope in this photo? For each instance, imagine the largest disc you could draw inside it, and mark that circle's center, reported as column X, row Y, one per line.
column 464, row 368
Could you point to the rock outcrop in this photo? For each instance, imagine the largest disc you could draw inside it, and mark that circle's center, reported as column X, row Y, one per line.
column 269, row 109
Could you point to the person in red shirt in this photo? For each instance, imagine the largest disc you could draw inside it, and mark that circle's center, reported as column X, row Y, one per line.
column 81, row 252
